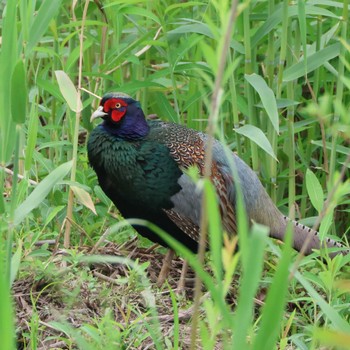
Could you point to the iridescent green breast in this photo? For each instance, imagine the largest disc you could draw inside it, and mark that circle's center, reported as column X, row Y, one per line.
column 140, row 172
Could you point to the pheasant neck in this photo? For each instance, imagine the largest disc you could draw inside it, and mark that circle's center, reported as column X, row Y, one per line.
column 133, row 126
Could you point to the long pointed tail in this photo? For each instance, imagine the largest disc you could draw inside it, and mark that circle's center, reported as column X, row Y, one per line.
column 304, row 234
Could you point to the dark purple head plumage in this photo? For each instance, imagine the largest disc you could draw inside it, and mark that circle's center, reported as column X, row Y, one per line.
column 122, row 116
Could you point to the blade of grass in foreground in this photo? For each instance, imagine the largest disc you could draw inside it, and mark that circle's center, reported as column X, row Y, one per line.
column 192, row 259
column 276, row 298
column 215, row 232
column 44, row 15
column 252, row 269
column 7, row 61
column 6, row 314
column 175, row 309
column 333, row 338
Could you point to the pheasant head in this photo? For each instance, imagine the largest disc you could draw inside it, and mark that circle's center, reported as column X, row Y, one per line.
column 122, row 116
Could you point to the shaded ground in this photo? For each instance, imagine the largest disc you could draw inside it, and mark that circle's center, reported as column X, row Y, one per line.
column 79, row 295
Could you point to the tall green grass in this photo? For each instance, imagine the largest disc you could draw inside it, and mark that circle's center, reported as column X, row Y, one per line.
column 284, row 108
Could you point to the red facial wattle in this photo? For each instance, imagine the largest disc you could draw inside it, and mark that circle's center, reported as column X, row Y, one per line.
column 118, row 114
column 116, row 107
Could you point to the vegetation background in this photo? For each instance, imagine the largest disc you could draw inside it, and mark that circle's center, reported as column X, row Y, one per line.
column 282, row 104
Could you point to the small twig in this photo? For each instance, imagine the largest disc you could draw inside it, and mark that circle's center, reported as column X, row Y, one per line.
column 58, row 345
column 21, row 177
column 152, row 248
column 105, row 278
column 45, row 241
column 90, row 93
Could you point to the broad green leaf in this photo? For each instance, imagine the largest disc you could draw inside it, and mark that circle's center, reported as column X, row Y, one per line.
column 18, row 93
column 267, row 96
column 313, row 62
column 41, row 191
column 68, row 91
column 84, row 198
column 314, row 189
column 44, row 16
column 257, row 136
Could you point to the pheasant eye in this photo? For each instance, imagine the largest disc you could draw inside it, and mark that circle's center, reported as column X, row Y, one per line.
column 118, row 105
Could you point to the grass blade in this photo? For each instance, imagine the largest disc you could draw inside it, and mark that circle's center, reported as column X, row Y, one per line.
column 252, row 270
column 18, row 93
column 267, row 97
column 45, row 14
column 8, row 56
column 313, row 62
column 41, row 191
column 314, row 189
column 68, row 91
column 275, row 302
column 258, row 137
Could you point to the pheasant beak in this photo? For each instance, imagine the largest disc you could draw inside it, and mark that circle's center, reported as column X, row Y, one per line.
column 98, row 113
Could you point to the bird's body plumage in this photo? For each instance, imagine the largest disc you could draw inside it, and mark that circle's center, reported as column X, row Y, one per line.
column 141, row 166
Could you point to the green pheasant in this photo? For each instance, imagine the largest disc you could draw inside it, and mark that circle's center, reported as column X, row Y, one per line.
column 140, row 166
